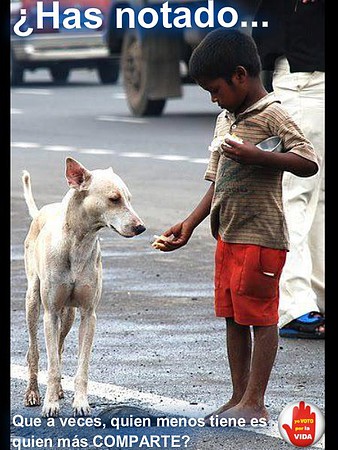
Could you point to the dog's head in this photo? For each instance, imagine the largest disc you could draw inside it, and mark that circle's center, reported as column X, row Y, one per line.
column 105, row 198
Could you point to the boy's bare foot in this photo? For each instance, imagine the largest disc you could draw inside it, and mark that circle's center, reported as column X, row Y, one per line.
column 230, row 404
column 239, row 412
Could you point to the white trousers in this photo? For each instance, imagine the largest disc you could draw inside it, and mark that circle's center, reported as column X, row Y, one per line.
column 302, row 281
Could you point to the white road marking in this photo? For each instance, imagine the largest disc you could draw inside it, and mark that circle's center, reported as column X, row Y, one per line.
column 59, row 148
column 33, row 91
column 122, row 119
column 120, row 96
column 97, row 151
column 121, row 394
column 16, row 111
column 102, row 151
column 162, row 404
column 199, row 160
column 172, row 157
column 135, row 155
column 25, row 145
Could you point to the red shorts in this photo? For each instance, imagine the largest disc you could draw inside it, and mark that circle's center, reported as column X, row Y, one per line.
column 247, row 282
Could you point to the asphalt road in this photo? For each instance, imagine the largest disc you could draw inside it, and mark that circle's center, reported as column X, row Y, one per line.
column 158, row 345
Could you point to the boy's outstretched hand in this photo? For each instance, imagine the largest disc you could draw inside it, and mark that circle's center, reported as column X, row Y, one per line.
column 178, row 235
column 175, row 237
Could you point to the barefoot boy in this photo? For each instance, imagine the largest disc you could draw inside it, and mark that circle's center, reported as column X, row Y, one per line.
column 245, row 206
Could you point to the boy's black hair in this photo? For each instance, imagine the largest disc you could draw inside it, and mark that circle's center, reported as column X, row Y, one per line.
column 220, row 52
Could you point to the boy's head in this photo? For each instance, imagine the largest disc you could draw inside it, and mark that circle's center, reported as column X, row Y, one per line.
column 221, row 52
column 229, row 57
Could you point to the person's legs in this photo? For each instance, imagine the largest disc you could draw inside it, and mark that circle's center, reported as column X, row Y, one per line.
column 297, row 296
column 238, row 337
column 317, row 245
column 239, row 345
column 249, row 298
column 264, row 353
column 302, row 282
column 239, row 348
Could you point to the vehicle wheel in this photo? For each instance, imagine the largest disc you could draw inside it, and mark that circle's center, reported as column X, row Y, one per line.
column 17, row 72
column 108, row 71
column 135, row 79
column 59, row 74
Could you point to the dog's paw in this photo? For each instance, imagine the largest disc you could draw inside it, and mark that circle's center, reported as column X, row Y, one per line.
column 50, row 409
column 81, row 408
column 32, row 398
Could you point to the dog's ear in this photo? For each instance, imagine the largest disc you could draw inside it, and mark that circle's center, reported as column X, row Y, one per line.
column 77, row 175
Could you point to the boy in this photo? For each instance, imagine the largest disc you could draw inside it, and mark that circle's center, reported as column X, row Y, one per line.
column 245, row 206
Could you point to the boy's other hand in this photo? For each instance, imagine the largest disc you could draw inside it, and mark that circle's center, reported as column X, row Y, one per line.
column 179, row 235
column 244, row 153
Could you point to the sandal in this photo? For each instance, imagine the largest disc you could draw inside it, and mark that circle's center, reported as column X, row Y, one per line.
column 306, row 327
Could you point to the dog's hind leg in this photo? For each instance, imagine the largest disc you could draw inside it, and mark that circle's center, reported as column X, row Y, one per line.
column 32, row 395
column 67, row 320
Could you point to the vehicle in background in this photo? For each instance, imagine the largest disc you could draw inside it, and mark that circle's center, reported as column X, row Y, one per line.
column 154, row 64
column 61, row 50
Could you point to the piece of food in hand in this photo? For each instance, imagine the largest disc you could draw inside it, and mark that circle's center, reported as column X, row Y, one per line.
column 216, row 144
column 161, row 238
column 233, row 137
column 158, row 242
column 158, row 245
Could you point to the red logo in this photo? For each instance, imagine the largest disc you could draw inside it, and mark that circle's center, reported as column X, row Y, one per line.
column 301, row 424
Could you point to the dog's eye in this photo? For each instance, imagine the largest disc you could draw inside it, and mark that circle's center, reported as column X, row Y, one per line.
column 115, row 199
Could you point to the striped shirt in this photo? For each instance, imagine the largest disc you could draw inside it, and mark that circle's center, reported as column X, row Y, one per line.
column 247, row 206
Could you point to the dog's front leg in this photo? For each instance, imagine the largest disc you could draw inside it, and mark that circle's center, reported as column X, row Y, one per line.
column 86, row 336
column 52, row 329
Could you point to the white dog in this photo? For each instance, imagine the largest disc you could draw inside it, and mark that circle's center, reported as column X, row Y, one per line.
column 64, row 272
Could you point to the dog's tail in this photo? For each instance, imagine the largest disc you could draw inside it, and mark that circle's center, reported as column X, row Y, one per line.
column 27, row 190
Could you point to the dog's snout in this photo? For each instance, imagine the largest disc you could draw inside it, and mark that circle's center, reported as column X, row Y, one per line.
column 139, row 229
